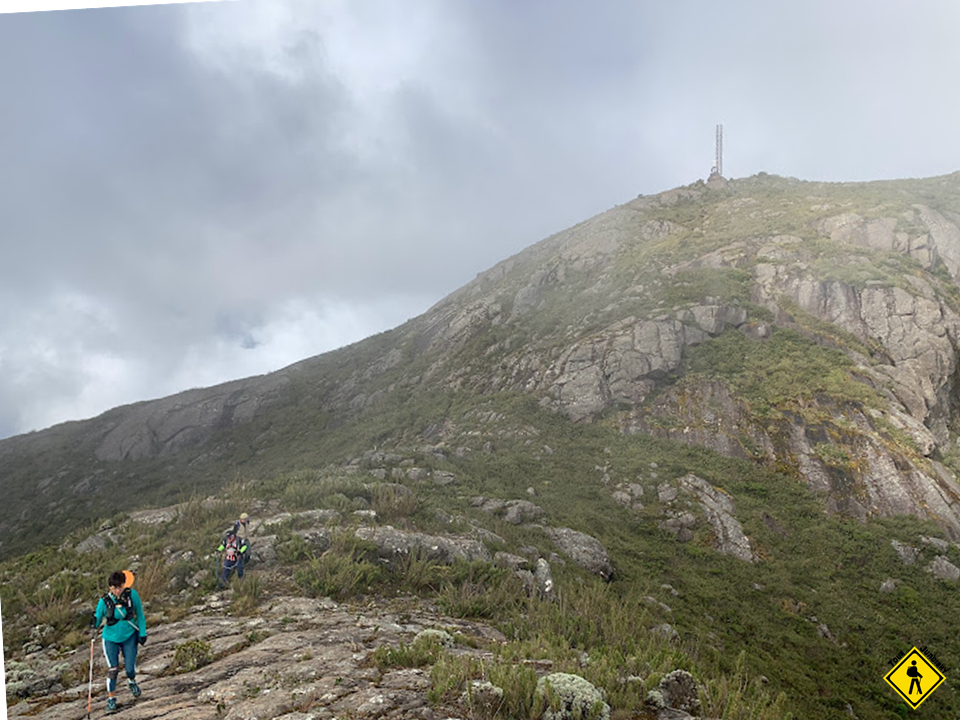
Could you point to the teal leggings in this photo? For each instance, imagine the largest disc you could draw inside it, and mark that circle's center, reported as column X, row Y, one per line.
column 112, row 652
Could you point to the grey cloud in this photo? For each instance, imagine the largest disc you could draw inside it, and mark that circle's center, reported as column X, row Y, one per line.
column 139, row 145
column 192, row 200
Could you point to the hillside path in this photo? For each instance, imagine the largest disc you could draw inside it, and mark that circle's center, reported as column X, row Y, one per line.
column 297, row 659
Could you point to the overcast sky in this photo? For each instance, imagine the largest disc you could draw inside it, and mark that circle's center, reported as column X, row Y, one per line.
column 194, row 193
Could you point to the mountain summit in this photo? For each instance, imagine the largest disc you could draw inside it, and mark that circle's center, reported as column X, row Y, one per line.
column 810, row 327
column 723, row 417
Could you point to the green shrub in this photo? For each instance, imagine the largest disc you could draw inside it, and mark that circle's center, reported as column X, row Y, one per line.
column 519, row 685
column 191, row 655
column 449, row 676
column 346, row 570
column 304, row 494
column 832, row 454
column 777, row 373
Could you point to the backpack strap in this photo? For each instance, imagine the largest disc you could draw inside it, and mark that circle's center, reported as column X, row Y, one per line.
column 125, row 601
column 232, row 546
column 110, row 604
column 126, row 597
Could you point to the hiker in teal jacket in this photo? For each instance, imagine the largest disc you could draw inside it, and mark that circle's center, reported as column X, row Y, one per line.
column 125, row 628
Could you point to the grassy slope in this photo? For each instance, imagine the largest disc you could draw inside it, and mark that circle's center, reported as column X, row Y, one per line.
column 731, row 631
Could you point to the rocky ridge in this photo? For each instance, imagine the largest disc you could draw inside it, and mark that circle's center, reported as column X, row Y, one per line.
column 601, row 319
column 896, row 319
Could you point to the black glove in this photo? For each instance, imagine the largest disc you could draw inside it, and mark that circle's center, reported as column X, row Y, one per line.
column 143, row 640
column 93, row 621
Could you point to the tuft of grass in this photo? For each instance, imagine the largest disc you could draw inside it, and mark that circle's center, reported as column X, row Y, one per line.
column 152, row 578
column 347, row 569
column 479, row 590
column 246, row 593
column 452, row 677
column 424, row 650
column 393, row 502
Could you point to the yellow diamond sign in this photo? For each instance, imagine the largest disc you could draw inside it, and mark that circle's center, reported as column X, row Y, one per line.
column 914, row 678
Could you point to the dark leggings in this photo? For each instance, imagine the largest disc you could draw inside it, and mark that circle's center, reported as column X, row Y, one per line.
column 112, row 652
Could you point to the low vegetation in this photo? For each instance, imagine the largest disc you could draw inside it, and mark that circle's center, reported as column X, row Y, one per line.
column 746, row 631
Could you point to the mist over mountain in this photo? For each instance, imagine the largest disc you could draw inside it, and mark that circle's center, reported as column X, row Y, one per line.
column 724, row 416
column 810, row 327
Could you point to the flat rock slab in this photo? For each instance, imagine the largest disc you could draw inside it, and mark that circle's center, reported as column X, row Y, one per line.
column 303, row 658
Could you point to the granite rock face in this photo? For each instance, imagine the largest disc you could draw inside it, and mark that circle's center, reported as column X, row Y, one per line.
column 598, row 322
column 624, row 362
column 163, row 427
column 719, row 509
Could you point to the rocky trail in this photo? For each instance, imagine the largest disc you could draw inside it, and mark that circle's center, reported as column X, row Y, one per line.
column 298, row 658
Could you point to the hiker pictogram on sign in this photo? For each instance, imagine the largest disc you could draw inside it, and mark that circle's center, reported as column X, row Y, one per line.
column 914, row 678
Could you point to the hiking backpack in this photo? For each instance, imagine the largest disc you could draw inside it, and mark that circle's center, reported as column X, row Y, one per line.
column 231, row 547
column 125, row 601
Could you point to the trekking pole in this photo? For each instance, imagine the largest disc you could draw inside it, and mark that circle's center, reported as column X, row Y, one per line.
column 93, row 637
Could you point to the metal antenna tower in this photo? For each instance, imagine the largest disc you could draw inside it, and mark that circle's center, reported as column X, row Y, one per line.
column 716, row 172
column 719, row 163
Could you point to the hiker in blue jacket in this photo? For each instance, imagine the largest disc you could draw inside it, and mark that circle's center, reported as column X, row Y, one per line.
column 125, row 628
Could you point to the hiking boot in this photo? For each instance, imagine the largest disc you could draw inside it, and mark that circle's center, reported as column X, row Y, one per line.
column 111, row 705
column 134, row 688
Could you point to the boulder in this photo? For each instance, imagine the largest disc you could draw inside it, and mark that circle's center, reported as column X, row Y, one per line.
column 392, row 543
column 666, row 493
column 158, row 516
column 318, row 538
column 653, row 602
column 520, row 511
column 509, row 560
column 943, row 569
column 515, row 512
column 585, row 550
column 94, row 543
column 443, row 478
column 543, row 577
column 938, row 543
column 680, row 525
column 263, row 550
column 665, row 631
column 907, row 553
